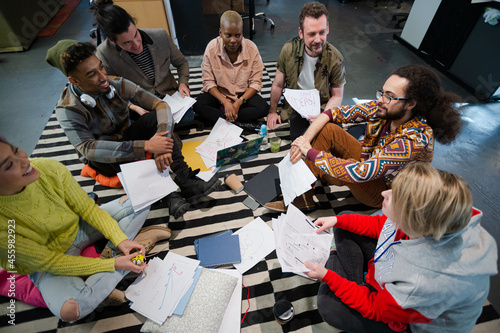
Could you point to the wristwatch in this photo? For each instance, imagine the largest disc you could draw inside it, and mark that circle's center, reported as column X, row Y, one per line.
column 243, row 100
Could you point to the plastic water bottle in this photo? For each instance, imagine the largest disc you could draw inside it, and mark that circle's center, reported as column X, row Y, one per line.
column 263, row 132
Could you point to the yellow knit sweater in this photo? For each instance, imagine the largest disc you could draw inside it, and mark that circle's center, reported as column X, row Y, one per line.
column 45, row 216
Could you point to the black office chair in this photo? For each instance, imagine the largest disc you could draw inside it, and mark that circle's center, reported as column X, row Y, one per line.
column 258, row 16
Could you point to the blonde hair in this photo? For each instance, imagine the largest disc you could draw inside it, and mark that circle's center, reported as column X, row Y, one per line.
column 230, row 16
column 429, row 202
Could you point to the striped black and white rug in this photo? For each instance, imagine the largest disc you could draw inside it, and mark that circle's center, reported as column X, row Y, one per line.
column 222, row 210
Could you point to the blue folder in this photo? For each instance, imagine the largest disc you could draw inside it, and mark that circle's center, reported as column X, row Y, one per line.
column 218, row 250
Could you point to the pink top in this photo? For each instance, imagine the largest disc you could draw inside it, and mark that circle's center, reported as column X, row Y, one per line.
column 232, row 79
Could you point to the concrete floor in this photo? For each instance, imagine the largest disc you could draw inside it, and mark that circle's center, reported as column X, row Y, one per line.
column 30, row 88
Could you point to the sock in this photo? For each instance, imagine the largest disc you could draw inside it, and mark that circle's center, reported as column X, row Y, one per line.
column 113, row 182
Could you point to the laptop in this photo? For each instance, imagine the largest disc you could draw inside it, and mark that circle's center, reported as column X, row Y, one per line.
column 238, row 152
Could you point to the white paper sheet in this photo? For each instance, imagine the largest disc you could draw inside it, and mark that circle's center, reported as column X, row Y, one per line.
column 157, row 294
column 209, row 162
column 295, row 179
column 298, row 242
column 223, row 135
column 256, row 242
column 360, row 100
column 179, row 105
column 305, row 102
column 232, row 317
column 207, row 175
column 144, row 184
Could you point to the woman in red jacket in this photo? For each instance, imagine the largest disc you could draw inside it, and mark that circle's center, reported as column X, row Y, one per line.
column 430, row 269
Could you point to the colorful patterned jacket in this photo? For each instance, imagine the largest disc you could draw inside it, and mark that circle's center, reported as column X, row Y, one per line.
column 383, row 153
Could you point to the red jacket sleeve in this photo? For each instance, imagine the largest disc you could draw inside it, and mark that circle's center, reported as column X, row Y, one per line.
column 379, row 306
column 365, row 225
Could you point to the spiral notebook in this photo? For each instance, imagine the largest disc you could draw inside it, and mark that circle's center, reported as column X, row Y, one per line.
column 218, row 250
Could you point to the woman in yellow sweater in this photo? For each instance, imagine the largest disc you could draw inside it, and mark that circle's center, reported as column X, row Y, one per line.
column 47, row 219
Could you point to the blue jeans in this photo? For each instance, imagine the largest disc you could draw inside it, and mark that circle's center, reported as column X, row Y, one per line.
column 89, row 293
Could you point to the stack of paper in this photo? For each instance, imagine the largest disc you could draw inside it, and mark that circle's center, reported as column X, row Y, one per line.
column 144, row 184
column 295, row 179
column 214, row 307
column 305, row 102
column 218, row 250
column 297, row 241
column 157, row 294
column 223, row 135
column 179, row 105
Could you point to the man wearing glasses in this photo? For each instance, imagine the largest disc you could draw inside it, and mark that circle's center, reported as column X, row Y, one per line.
column 411, row 111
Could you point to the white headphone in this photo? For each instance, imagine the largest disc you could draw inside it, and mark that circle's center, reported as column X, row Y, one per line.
column 89, row 100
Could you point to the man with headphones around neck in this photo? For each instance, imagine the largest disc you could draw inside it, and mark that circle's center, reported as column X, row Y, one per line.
column 94, row 111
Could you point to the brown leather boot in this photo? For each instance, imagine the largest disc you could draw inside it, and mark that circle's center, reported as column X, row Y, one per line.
column 151, row 235
column 304, row 202
column 148, row 237
column 116, row 298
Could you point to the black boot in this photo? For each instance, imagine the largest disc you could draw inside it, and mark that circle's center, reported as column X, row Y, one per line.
column 176, row 205
column 193, row 189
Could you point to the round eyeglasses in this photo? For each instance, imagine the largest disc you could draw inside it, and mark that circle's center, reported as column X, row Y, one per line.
column 388, row 99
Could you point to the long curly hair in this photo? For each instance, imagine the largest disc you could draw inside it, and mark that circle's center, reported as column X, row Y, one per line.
column 433, row 103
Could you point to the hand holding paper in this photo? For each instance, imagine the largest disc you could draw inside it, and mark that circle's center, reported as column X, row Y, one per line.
column 297, row 242
column 305, row 102
column 325, row 223
column 295, row 179
column 179, row 103
column 317, row 272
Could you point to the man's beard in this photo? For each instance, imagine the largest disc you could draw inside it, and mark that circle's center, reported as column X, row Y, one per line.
column 311, row 48
column 392, row 116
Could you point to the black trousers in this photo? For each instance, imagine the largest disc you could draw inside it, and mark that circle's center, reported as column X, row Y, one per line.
column 144, row 128
column 350, row 260
column 209, row 108
column 298, row 125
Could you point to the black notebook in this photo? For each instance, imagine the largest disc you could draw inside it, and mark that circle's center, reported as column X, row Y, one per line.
column 264, row 186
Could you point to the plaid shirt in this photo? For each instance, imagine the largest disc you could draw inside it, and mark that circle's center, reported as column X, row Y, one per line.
column 329, row 72
column 383, row 153
column 96, row 133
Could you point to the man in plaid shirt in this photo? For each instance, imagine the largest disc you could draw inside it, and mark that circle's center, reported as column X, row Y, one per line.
column 95, row 113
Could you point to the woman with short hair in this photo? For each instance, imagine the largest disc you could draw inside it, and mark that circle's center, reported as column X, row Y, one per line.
column 431, row 267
